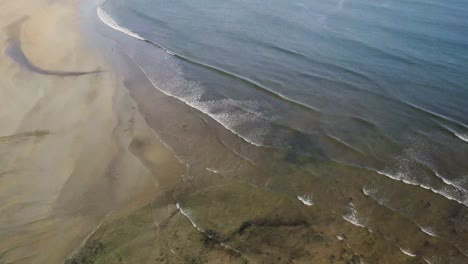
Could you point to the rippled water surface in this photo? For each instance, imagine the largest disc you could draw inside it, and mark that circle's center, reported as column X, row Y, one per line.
column 356, row 110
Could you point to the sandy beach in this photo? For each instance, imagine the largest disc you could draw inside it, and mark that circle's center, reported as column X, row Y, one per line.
column 66, row 124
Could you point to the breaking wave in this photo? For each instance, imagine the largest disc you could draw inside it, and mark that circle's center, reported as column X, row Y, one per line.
column 449, row 192
column 306, row 199
column 108, row 20
column 351, row 215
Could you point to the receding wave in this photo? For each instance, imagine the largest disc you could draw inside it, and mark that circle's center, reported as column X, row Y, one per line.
column 407, row 252
column 460, row 135
column 449, row 192
column 436, row 115
column 187, row 213
column 109, row 21
column 453, row 183
column 351, row 215
column 306, row 199
column 383, row 201
column 463, row 137
column 220, row 118
column 345, row 144
column 225, row 119
column 251, row 82
column 428, row 230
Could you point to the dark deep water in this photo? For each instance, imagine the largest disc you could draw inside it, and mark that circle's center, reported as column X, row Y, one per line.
column 363, row 99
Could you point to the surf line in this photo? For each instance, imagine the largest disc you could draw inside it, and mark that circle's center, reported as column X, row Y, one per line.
column 110, row 22
column 187, row 102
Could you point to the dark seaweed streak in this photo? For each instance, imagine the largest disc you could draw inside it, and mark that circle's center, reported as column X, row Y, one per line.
column 15, row 52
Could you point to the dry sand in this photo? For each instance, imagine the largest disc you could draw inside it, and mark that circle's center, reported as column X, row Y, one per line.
column 65, row 162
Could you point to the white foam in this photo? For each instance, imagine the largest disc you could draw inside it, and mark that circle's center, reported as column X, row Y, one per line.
column 353, row 217
column 187, row 213
column 226, row 120
column 170, row 52
column 460, row 135
column 444, row 179
column 306, row 199
column 376, row 196
column 391, row 176
column 373, row 193
column 366, row 191
column 213, row 170
column 108, row 20
column 454, row 194
column 463, row 137
column 428, row 230
column 445, row 192
column 253, row 136
column 407, row 252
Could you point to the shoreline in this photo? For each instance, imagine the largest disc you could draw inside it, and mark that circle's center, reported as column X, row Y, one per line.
column 106, row 167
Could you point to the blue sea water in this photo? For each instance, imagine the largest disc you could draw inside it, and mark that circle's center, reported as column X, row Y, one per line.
column 330, row 67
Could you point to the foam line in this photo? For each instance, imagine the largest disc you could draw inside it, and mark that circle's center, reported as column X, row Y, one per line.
column 109, row 21
column 399, row 177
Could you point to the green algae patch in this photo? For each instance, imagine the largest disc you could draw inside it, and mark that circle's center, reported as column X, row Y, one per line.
column 115, row 241
column 232, row 222
column 234, row 207
column 137, row 239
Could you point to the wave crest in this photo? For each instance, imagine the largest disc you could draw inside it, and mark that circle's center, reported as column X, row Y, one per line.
column 109, row 21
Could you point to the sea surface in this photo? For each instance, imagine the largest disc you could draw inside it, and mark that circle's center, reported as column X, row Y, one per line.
column 356, row 107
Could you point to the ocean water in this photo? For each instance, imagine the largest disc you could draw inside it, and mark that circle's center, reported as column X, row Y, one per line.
column 357, row 107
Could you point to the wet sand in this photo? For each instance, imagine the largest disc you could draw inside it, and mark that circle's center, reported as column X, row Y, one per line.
column 66, row 125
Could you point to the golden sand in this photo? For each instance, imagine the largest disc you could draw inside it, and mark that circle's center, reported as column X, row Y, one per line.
column 65, row 161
